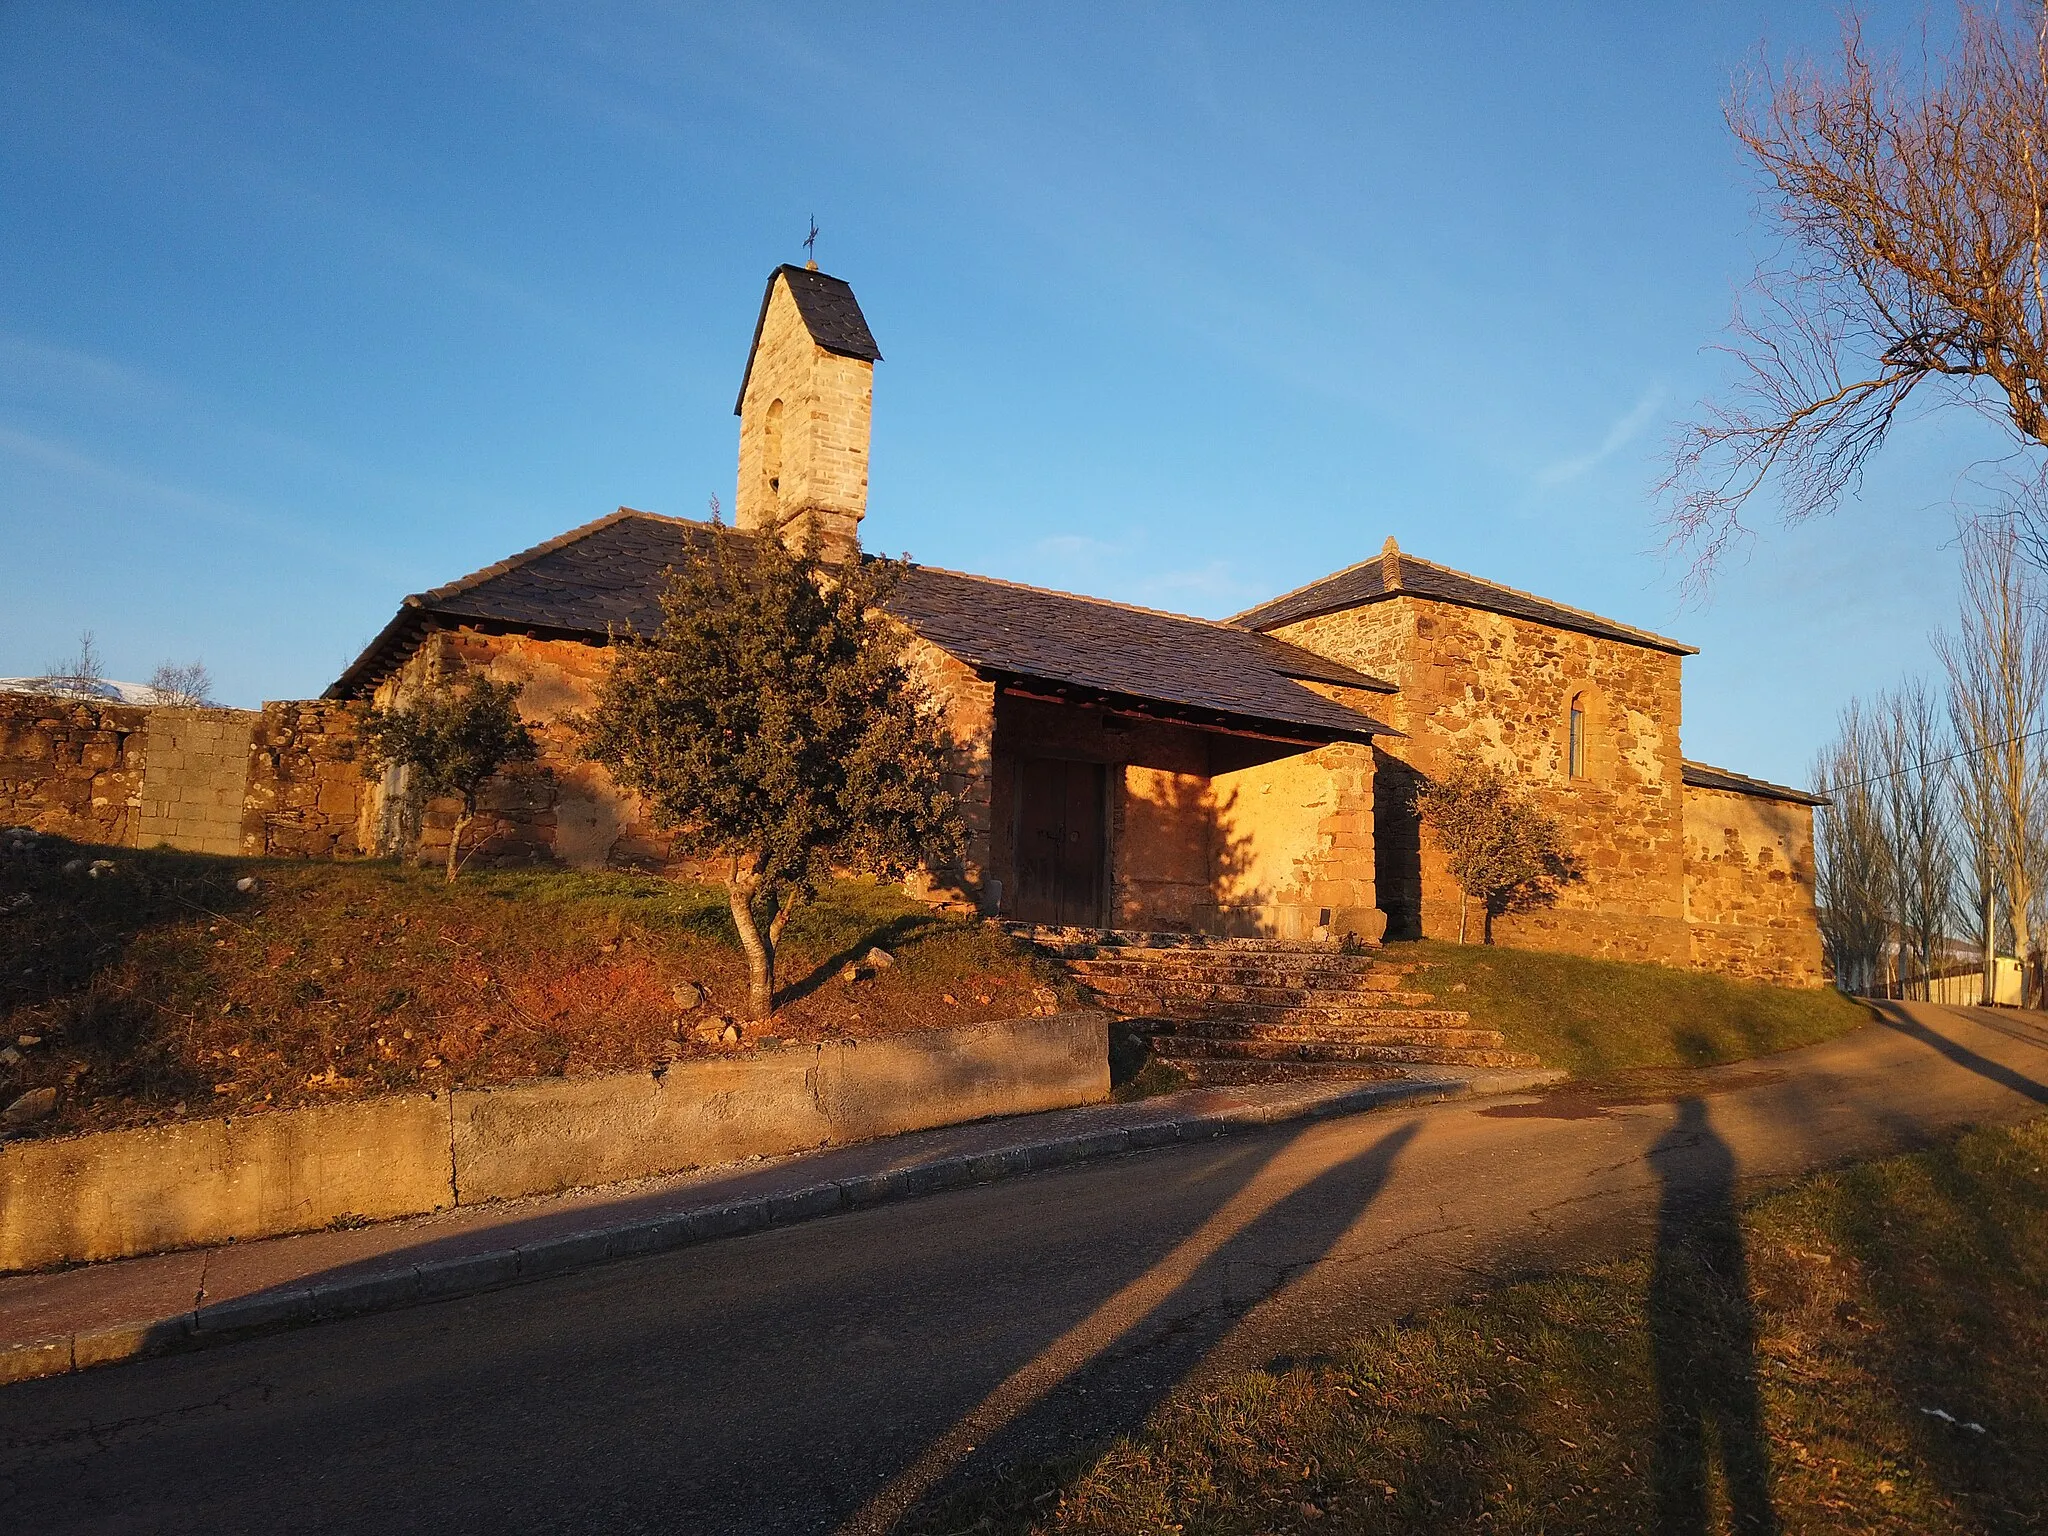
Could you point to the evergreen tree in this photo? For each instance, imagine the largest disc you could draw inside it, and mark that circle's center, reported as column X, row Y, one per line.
column 771, row 723
column 454, row 742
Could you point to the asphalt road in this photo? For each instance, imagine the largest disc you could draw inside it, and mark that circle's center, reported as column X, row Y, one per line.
column 823, row 1376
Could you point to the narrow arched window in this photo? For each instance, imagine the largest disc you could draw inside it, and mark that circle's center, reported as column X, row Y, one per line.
column 1576, row 757
column 771, row 449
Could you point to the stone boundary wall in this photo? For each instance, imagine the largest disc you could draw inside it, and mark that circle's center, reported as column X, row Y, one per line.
column 122, row 1193
column 305, row 792
column 281, row 782
column 70, row 767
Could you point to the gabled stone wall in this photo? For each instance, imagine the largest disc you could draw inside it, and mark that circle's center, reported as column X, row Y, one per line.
column 1502, row 687
column 558, row 808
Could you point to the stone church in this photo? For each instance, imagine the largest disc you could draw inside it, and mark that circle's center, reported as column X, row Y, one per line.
column 1126, row 768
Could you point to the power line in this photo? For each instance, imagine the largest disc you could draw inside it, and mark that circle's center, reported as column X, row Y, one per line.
column 1939, row 762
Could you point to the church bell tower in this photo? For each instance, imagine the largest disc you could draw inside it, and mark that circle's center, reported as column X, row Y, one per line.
column 804, row 408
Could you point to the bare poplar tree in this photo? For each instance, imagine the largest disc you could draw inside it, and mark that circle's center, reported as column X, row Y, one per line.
column 1852, row 861
column 1909, row 202
column 1911, row 740
column 1997, row 665
column 1975, row 820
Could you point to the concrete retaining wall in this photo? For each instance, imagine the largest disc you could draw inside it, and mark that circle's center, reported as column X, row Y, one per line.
column 123, row 1193
column 127, row 1192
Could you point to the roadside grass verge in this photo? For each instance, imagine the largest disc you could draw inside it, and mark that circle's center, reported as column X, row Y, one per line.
column 1893, row 1326
column 1593, row 1017
column 158, row 990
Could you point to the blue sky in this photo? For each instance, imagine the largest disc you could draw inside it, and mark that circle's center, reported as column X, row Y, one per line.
column 306, row 308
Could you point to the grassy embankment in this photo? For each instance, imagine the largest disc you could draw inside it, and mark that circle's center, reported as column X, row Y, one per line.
column 1893, row 1327
column 1598, row 1017
column 159, row 990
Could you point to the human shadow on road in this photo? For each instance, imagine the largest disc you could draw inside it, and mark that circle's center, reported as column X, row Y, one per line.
column 1703, row 1338
column 769, row 1383
column 1106, row 1373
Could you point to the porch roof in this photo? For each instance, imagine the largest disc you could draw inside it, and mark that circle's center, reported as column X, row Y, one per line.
column 607, row 577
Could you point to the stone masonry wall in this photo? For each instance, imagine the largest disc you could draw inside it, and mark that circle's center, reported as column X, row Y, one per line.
column 558, row 808
column 1749, row 887
column 1301, row 826
column 71, row 768
column 969, row 703
column 561, row 808
column 305, row 791
column 1502, row 687
column 195, row 779
column 815, row 447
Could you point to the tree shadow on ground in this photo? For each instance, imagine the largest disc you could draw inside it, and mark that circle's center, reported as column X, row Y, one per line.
column 735, row 1382
column 890, row 935
column 1893, row 1017
column 1949, row 1254
column 1703, row 1339
column 1104, row 1376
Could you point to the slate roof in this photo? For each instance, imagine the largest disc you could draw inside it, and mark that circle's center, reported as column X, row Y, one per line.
column 607, row 575
column 829, row 311
column 1702, row 776
column 1367, row 582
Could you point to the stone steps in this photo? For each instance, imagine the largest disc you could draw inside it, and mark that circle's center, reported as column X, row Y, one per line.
column 1226, row 1017
column 1089, row 940
column 1199, row 1048
column 1150, row 993
column 1390, row 1028
column 1184, row 962
column 1252, row 1010
column 1109, row 974
column 1214, row 1073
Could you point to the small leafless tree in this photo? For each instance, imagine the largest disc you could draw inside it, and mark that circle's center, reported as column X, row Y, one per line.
column 185, row 685
column 83, row 673
column 1853, row 869
column 1910, row 203
column 1500, row 848
column 1911, row 740
column 1997, row 665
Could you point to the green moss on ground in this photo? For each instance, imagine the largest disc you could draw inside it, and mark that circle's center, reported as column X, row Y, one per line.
column 1875, row 1296
column 1593, row 1017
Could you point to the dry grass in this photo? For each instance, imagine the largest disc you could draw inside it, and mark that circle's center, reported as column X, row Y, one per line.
column 159, row 990
column 1593, row 1017
column 1874, row 1297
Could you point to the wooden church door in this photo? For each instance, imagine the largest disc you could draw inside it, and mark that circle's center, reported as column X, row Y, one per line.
column 1061, row 841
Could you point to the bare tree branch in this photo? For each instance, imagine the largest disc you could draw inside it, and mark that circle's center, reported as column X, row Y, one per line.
column 1911, row 219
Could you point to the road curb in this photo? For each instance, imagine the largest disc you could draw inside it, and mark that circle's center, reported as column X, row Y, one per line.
column 296, row 1305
